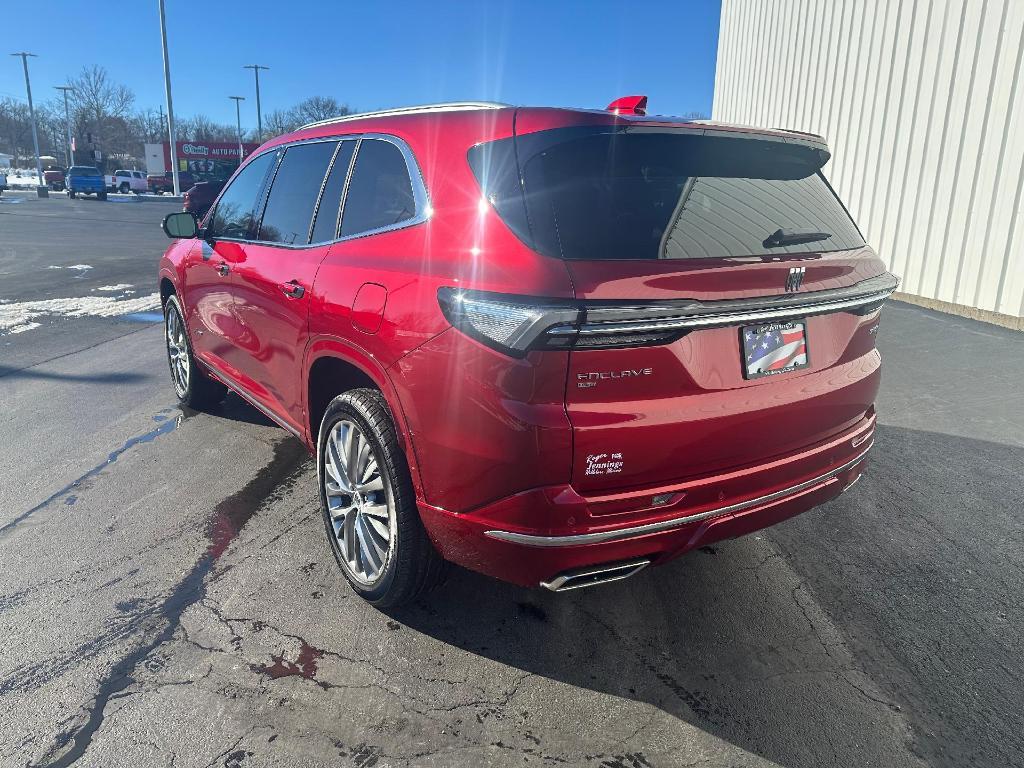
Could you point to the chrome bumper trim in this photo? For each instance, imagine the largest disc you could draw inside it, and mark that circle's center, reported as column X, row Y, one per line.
column 618, row 534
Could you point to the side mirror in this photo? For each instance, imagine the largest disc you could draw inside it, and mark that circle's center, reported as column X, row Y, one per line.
column 180, row 225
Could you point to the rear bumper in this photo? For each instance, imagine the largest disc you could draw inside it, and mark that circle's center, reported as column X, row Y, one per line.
column 580, row 533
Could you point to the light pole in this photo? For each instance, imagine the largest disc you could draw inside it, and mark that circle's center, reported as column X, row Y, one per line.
column 170, row 108
column 259, row 115
column 67, row 122
column 238, row 119
column 41, row 188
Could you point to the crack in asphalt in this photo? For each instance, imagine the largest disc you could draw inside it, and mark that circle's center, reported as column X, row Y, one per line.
column 228, row 518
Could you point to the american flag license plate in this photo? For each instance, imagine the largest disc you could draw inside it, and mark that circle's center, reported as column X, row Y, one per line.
column 769, row 350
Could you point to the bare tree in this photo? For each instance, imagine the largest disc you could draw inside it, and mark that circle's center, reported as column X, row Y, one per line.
column 202, row 128
column 102, row 109
column 100, row 98
column 317, row 108
column 149, row 126
column 280, row 121
column 15, row 128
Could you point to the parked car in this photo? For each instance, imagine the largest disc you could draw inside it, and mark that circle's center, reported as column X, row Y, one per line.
column 164, row 182
column 551, row 345
column 3, row 182
column 200, row 197
column 85, row 180
column 54, row 179
column 127, row 181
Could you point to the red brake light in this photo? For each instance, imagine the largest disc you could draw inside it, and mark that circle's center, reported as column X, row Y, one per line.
column 629, row 105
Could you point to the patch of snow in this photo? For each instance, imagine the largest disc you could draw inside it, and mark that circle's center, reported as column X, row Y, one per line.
column 118, row 287
column 80, row 267
column 16, row 315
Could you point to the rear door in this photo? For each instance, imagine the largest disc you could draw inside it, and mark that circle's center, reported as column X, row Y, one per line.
column 273, row 284
column 664, row 230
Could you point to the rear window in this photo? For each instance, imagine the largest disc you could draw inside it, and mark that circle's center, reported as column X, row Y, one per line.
column 610, row 193
column 80, row 170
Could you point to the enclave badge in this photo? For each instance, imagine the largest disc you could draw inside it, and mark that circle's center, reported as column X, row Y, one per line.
column 796, row 277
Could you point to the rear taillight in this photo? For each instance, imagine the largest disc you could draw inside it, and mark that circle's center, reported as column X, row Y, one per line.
column 509, row 324
column 516, row 324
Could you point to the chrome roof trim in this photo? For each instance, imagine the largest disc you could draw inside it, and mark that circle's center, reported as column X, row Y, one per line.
column 454, row 106
column 619, row 534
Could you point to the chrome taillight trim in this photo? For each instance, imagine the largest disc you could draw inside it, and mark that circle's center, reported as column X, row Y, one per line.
column 713, row 314
column 619, row 534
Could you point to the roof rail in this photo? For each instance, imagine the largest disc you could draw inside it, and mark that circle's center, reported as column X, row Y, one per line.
column 453, row 106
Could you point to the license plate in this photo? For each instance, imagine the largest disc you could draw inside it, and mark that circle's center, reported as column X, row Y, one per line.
column 771, row 349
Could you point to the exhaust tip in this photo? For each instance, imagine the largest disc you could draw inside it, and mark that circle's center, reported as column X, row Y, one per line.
column 594, row 575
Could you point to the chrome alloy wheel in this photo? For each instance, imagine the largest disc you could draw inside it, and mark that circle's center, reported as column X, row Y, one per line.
column 360, row 507
column 177, row 350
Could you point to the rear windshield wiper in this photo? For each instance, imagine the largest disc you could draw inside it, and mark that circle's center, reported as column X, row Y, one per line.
column 782, row 237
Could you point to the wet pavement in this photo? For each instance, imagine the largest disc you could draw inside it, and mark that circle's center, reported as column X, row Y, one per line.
column 168, row 598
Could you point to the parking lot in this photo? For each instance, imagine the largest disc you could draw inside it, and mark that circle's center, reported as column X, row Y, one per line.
column 167, row 596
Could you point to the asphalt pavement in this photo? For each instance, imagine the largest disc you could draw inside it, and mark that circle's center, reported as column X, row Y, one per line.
column 168, row 598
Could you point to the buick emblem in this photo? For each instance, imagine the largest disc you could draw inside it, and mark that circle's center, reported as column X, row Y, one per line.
column 795, row 278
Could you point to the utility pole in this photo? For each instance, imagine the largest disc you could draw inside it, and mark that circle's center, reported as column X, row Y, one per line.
column 259, row 115
column 238, row 119
column 41, row 190
column 67, row 122
column 170, row 108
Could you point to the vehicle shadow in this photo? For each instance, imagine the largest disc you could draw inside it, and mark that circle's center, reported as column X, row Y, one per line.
column 733, row 640
column 95, row 378
column 235, row 408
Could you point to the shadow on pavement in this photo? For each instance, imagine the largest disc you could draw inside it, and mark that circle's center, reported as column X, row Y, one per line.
column 94, row 378
column 734, row 640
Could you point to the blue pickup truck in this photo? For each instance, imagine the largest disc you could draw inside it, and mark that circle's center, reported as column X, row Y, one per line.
column 86, row 180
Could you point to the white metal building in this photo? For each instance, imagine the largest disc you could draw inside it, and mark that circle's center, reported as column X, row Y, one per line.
column 922, row 103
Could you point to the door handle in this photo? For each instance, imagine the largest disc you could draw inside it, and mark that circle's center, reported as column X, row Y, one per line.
column 223, row 269
column 293, row 290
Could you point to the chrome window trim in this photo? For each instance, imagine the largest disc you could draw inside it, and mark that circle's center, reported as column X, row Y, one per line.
column 619, row 534
column 421, row 197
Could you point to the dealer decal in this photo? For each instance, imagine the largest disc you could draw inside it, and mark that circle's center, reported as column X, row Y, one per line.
column 604, row 464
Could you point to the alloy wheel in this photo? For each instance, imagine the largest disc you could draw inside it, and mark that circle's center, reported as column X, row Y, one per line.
column 358, row 502
column 177, row 351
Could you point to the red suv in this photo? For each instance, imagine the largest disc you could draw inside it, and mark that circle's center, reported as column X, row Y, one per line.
column 551, row 345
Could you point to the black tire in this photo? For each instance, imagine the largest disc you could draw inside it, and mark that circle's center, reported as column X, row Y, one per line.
column 199, row 391
column 125, row 188
column 101, row 195
column 71, row 194
column 413, row 567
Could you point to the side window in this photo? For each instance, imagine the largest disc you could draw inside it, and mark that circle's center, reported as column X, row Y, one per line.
column 235, row 215
column 380, row 193
column 294, row 193
column 326, row 227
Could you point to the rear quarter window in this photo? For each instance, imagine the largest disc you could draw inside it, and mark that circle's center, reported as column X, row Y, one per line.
column 380, row 192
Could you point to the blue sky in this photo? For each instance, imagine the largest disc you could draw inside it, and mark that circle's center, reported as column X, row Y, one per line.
column 375, row 54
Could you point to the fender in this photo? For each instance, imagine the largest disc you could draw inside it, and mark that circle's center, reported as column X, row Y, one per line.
column 321, row 346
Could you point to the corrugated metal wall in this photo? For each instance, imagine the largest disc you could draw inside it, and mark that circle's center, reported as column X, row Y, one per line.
column 922, row 102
